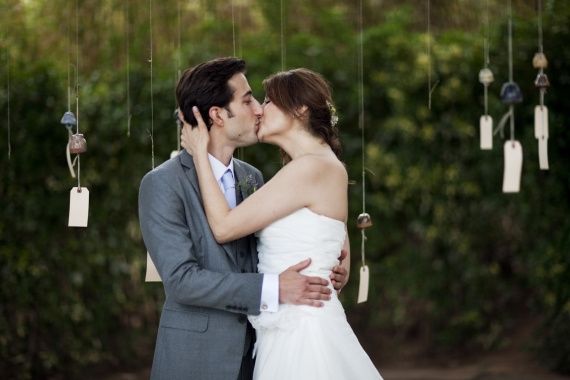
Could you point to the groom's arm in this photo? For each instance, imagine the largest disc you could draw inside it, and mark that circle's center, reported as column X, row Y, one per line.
column 167, row 237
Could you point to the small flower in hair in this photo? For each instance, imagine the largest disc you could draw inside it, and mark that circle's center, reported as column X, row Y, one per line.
column 334, row 115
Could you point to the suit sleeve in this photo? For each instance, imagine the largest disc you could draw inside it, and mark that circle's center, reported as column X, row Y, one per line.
column 167, row 237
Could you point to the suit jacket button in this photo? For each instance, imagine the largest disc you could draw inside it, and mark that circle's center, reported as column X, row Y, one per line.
column 244, row 271
column 242, row 318
column 242, row 254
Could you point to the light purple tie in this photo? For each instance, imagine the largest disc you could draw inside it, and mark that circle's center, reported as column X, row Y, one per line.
column 229, row 188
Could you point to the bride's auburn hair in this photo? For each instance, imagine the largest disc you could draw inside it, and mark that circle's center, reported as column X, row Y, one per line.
column 293, row 89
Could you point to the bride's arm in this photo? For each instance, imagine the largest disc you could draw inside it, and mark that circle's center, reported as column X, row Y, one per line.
column 289, row 190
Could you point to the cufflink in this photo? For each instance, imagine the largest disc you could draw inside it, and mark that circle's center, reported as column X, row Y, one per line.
column 264, row 306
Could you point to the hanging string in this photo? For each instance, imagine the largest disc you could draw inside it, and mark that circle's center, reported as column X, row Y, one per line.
column 239, row 31
column 283, row 51
column 540, row 47
column 127, row 28
column 8, row 101
column 77, row 88
column 510, row 114
column 233, row 29
column 361, row 124
column 486, row 53
column 430, row 87
column 151, row 87
column 178, row 74
column 511, row 107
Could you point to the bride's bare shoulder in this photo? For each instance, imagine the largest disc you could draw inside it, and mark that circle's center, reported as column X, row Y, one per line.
column 319, row 165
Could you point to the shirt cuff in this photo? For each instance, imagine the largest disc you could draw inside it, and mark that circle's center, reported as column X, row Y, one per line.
column 270, row 293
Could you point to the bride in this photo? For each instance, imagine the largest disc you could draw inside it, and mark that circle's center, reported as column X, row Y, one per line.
column 300, row 213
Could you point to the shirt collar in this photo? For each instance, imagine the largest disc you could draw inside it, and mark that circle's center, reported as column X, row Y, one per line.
column 218, row 168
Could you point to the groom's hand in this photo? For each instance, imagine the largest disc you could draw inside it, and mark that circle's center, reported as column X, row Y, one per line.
column 296, row 289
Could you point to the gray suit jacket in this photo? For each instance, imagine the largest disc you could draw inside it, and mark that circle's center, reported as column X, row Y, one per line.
column 209, row 287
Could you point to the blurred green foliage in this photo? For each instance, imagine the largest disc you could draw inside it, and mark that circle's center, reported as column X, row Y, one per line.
column 454, row 262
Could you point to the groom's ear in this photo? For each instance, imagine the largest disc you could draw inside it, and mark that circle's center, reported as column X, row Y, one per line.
column 215, row 117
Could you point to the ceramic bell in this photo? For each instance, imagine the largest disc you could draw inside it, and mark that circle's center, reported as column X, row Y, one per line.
column 77, row 144
column 69, row 120
column 539, row 61
column 486, row 76
column 511, row 93
column 542, row 81
column 364, row 221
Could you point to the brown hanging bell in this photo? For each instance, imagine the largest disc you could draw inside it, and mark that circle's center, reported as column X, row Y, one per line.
column 77, row 144
column 363, row 221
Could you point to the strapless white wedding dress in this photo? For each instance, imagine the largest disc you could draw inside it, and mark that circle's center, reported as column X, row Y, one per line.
column 303, row 342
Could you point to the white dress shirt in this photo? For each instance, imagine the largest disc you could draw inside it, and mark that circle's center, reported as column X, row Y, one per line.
column 270, row 286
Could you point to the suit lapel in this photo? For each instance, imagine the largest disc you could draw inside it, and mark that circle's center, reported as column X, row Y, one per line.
column 187, row 161
column 241, row 175
column 241, row 193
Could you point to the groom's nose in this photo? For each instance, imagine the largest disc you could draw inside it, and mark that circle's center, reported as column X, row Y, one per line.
column 257, row 109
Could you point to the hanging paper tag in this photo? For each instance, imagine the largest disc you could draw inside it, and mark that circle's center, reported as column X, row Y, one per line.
column 174, row 153
column 513, row 167
column 78, row 207
column 540, row 122
column 486, row 132
column 151, row 272
column 543, row 153
column 363, row 285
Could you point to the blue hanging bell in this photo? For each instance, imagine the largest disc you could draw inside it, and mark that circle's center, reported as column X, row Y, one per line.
column 511, row 93
column 542, row 81
column 69, row 120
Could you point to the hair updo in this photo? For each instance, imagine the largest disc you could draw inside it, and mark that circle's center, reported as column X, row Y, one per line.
column 293, row 89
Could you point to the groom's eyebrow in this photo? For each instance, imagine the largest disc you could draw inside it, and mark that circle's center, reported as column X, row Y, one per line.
column 249, row 93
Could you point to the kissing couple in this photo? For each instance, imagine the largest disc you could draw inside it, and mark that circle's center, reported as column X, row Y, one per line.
column 251, row 270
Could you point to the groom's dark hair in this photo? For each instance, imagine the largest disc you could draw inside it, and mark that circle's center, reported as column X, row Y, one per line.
column 206, row 86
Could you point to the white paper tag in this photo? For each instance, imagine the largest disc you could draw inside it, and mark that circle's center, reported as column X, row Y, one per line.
column 78, row 207
column 543, row 153
column 513, row 167
column 486, row 132
column 363, row 285
column 540, row 122
column 151, row 272
column 174, row 153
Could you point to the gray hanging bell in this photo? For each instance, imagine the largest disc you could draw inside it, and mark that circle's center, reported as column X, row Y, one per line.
column 77, row 144
column 542, row 81
column 69, row 120
column 363, row 221
column 486, row 76
column 511, row 93
column 539, row 61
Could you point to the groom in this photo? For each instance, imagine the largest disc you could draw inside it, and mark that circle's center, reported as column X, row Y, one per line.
column 211, row 288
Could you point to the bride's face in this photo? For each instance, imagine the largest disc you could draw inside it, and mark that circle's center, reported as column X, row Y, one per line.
column 273, row 122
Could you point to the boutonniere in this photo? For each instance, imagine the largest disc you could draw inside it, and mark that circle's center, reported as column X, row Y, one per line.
column 248, row 185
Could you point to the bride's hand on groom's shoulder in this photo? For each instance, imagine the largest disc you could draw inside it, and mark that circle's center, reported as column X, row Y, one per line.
column 194, row 139
column 297, row 289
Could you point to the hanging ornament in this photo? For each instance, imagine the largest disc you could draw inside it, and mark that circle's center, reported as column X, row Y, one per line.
column 76, row 144
column 363, row 221
column 486, row 78
column 541, row 82
column 174, row 153
column 510, row 95
column 152, row 274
